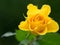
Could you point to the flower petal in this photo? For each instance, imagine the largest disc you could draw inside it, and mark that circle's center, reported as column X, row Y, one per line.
column 45, row 10
column 53, row 26
column 42, row 32
column 32, row 10
column 23, row 26
column 31, row 6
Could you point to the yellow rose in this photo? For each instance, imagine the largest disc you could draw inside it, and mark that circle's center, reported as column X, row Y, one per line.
column 38, row 20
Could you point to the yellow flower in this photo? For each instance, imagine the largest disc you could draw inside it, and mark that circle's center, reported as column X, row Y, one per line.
column 38, row 20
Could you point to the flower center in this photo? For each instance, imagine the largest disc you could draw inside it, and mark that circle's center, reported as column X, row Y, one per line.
column 38, row 21
column 38, row 18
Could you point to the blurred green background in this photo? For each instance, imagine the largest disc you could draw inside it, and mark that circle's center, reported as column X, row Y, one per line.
column 11, row 13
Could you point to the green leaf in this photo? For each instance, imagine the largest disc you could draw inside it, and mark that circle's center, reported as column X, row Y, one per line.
column 31, row 37
column 21, row 35
column 50, row 39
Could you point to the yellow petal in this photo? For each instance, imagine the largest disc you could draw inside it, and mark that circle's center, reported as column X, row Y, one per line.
column 23, row 26
column 45, row 10
column 31, row 7
column 32, row 10
column 53, row 26
column 42, row 32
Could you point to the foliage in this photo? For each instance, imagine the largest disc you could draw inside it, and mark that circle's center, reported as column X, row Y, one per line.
column 21, row 35
column 48, row 39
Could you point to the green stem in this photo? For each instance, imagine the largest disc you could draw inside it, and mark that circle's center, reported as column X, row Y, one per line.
column 27, row 36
